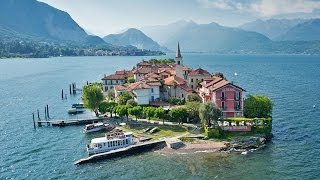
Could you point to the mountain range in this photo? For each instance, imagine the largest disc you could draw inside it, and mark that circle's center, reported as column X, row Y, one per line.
column 30, row 20
column 134, row 37
column 220, row 39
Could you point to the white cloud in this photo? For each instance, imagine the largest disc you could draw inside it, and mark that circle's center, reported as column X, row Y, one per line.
column 264, row 8
column 269, row 8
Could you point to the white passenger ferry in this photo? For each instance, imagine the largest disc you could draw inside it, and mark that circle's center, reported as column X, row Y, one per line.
column 111, row 141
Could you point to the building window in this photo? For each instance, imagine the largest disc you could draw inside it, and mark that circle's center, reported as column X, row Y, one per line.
column 151, row 90
column 223, row 105
column 237, row 105
column 192, row 86
column 237, row 95
column 182, row 95
column 111, row 87
column 191, row 80
column 106, row 88
column 116, row 81
column 223, row 97
column 152, row 98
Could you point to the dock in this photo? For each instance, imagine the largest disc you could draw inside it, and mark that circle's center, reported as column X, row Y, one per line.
column 134, row 149
column 70, row 122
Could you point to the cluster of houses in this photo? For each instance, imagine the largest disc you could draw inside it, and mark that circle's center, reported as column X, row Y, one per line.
column 155, row 83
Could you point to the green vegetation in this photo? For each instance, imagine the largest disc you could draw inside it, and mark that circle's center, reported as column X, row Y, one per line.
column 193, row 98
column 110, row 95
column 193, row 111
column 176, row 101
column 213, row 132
column 124, row 98
column 257, row 107
column 136, row 111
column 122, row 110
column 131, row 103
column 162, row 61
column 149, row 111
column 109, row 107
column 178, row 114
column 164, row 130
column 220, row 75
column 160, row 114
column 130, row 79
column 209, row 112
column 92, row 97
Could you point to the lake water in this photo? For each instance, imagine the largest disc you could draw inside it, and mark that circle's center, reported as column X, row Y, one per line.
column 293, row 83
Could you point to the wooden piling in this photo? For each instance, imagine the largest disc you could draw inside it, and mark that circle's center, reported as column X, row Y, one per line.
column 70, row 88
column 34, row 123
column 45, row 113
column 48, row 111
column 62, row 94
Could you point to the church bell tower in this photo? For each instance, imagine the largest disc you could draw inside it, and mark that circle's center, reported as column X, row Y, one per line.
column 179, row 63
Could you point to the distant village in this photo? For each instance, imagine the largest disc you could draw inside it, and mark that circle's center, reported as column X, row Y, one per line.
column 156, row 82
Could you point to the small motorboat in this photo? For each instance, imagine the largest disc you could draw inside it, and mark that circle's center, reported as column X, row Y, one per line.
column 97, row 127
column 78, row 106
column 75, row 111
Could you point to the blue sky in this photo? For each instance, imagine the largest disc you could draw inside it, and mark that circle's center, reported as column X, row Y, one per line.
column 102, row 17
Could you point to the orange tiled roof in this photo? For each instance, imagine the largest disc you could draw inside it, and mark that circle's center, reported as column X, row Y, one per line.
column 174, row 80
column 199, row 71
column 115, row 77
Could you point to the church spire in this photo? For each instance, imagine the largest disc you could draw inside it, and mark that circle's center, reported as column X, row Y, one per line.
column 178, row 55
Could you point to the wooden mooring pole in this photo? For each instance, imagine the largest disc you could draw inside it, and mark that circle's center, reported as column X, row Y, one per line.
column 34, row 123
column 62, row 94
column 45, row 112
column 70, row 89
column 48, row 111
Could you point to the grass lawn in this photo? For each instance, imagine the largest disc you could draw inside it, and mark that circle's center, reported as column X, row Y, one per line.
column 164, row 131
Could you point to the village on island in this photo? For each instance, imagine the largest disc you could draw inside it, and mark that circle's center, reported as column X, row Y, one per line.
column 163, row 104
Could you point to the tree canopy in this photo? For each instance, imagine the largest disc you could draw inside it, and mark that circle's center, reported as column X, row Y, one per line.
column 209, row 112
column 124, row 97
column 178, row 114
column 92, row 97
column 257, row 107
column 193, row 97
column 136, row 111
column 160, row 113
column 193, row 110
column 105, row 107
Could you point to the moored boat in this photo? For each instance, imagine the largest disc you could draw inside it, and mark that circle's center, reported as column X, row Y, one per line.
column 75, row 111
column 96, row 127
column 78, row 106
column 111, row 141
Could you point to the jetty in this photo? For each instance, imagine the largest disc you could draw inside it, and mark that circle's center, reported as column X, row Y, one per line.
column 69, row 122
column 134, row 149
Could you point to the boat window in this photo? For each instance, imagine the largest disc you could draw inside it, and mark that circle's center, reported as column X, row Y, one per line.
column 127, row 141
column 123, row 142
column 104, row 144
column 113, row 144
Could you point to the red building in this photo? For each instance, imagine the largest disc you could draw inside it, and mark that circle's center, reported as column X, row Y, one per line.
column 227, row 96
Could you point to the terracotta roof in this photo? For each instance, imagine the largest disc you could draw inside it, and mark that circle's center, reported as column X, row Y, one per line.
column 138, row 85
column 212, row 82
column 114, row 77
column 185, row 68
column 142, row 70
column 174, row 79
column 119, row 87
column 144, row 63
column 124, row 72
column 199, row 71
column 153, row 75
column 186, row 88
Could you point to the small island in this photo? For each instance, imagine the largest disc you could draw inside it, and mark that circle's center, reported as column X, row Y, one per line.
column 193, row 109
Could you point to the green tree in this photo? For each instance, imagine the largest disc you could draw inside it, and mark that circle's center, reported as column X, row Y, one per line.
column 105, row 107
column 257, row 107
column 209, row 112
column 193, row 110
column 110, row 95
column 220, row 75
column 159, row 113
column 193, row 98
column 178, row 114
column 124, row 97
column 122, row 110
column 131, row 79
column 135, row 111
column 92, row 97
column 149, row 112
column 131, row 103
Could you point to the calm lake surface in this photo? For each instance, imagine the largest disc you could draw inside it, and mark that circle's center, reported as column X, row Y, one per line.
column 293, row 83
